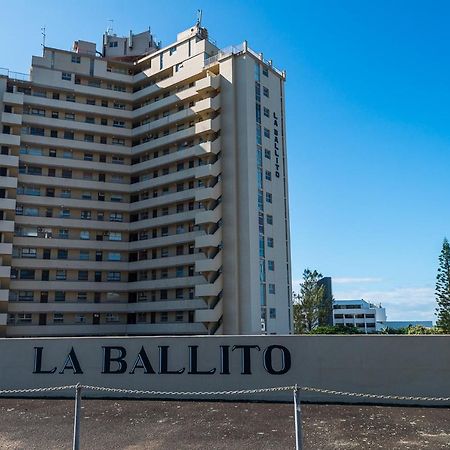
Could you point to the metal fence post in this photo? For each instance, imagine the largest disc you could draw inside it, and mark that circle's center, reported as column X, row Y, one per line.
column 298, row 420
column 76, row 420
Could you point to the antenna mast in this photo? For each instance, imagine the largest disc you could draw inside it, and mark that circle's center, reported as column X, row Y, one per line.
column 43, row 36
column 199, row 17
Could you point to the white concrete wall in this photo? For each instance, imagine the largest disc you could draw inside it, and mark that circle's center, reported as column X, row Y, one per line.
column 394, row 365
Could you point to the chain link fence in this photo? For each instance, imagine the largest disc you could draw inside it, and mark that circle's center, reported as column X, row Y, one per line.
column 295, row 389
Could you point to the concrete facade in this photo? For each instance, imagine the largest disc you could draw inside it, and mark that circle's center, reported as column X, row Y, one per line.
column 143, row 191
column 366, row 316
column 382, row 364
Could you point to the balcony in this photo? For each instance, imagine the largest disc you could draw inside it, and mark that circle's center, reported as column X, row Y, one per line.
column 77, row 307
column 5, row 271
column 3, row 319
column 209, row 170
column 9, row 139
column 8, row 182
column 6, row 226
column 208, row 84
column 104, row 329
column 209, row 216
column 5, row 248
column 11, row 119
column 208, row 289
column 210, row 315
column 209, row 240
column 4, row 295
column 10, row 160
column 13, row 98
column 211, row 193
column 8, row 203
column 209, row 265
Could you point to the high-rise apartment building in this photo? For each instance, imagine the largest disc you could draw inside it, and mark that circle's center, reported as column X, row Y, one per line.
column 143, row 191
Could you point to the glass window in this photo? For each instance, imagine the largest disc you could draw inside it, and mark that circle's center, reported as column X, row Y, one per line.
column 84, row 234
column 268, row 197
column 271, row 265
column 270, row 242
column 271, row 289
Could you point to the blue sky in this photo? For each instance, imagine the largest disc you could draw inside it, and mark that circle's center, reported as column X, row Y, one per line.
column 368, row 122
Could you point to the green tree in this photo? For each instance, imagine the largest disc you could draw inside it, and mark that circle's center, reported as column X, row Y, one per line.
column 443, row 288
column 308, row 302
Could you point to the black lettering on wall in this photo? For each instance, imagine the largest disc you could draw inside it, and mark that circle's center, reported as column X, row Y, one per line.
column 120, row 360
column 38, row 361
column 71, row 362
column 285, row 360
column 246, row 364
column 193, row 363
column 142, row 362
column 164, row 362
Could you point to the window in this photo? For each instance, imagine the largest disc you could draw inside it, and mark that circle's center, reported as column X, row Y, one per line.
column 84, row 235
column 116, row 217
column 271, row 265
column 89, row 138
column 272, row 313
column 266, row 92
column 70, row 98
column 69, row 135
column 63, row 253
column 179, row 316
column 164, row 316
column 60, row 296
column 66, row 173
column 114, row 256
column 110, row 317
column 266, row 133
column 268, row 175
column 113, row 44
column 270, row 242
column 58, row 318
column 180, row 271
column 265, row 71
column 24, row 318
column 63, row 234
column 61, row 274
column 268, row 197
column 84, row 255
column 113, row 276
column 115, row 236
column 69, row 116
column 66, row 76
column 271, row 288
column 29, row 253
column 26, row 296
column 76, row 59
column 267, row 154
column 86, row 215
column 118, row 123
column 83, row 275
column 266, row 112
column 26, row 274
column 80, row 318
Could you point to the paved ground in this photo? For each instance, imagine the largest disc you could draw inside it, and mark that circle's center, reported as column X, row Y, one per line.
column 132, row 425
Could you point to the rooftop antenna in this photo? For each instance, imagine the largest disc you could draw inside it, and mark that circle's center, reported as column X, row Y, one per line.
column 43, row 36
column 199, row 17
column 109, row 30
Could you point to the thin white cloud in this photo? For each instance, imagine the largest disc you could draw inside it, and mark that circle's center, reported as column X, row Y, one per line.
column 401, row 303
column 355, row 280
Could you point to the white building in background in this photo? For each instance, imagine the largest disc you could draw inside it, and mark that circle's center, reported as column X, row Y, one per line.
column 367, row 317
column 143, row 191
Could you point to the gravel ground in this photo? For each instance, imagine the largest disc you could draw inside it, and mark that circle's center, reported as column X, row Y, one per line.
column 130, row 424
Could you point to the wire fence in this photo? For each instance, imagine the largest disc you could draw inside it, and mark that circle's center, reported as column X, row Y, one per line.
column 295, row 389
